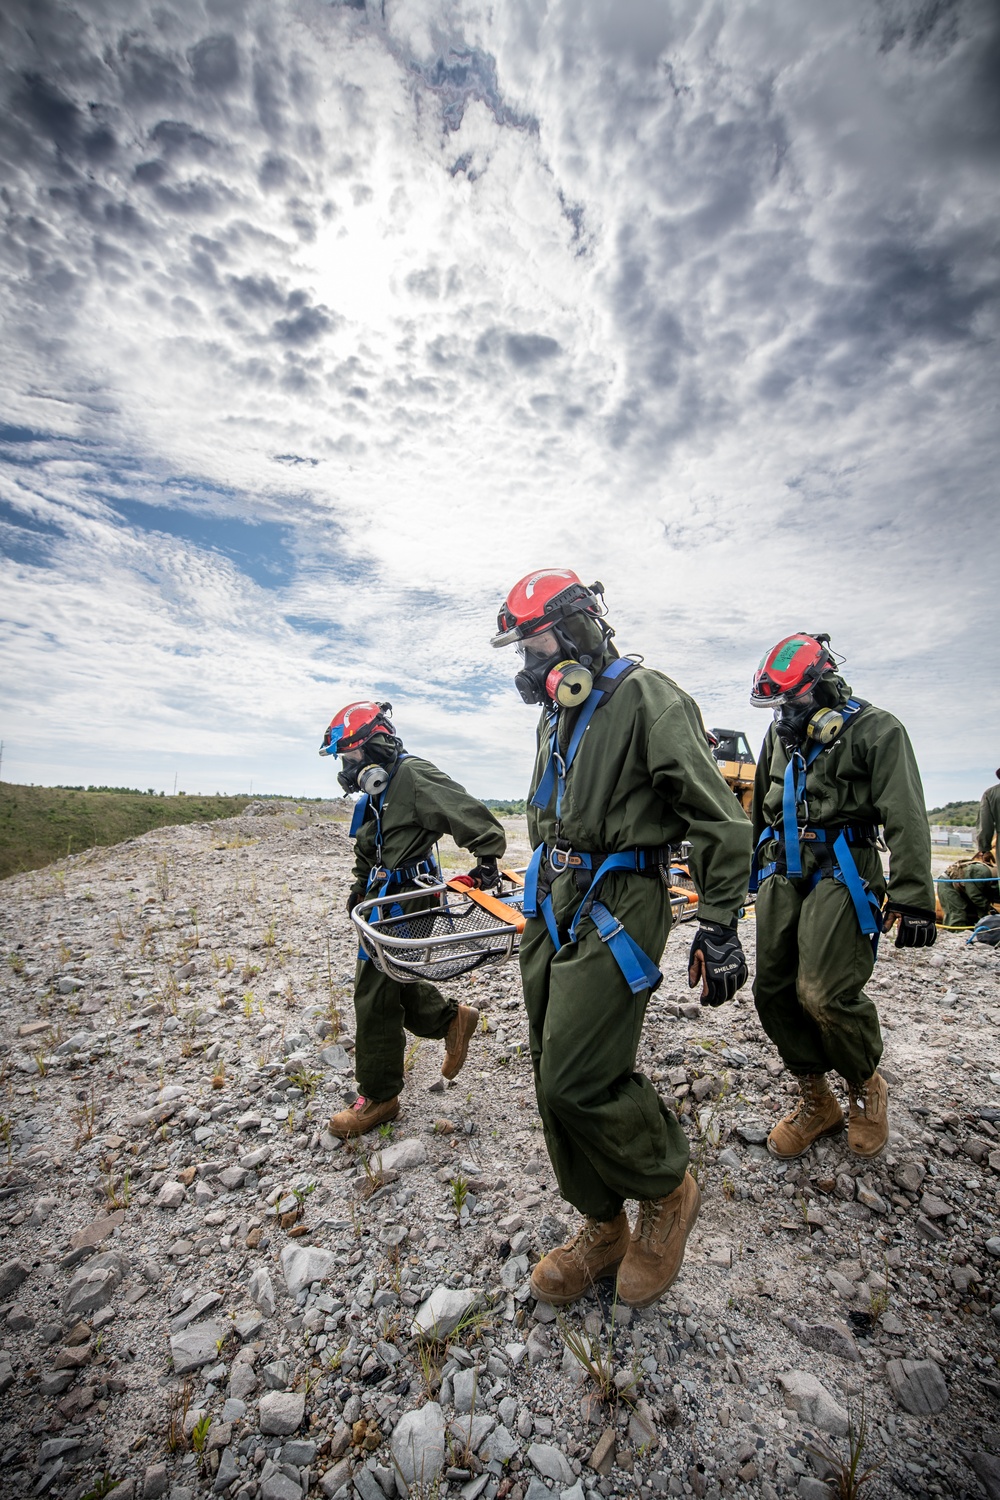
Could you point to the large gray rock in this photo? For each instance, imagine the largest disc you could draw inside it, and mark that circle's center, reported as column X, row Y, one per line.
column 228, row 1470
column 501, row 1445
column 641, row 1426
column 366, row 1486
column 444, row 1310
column 810, row 1399
column 281, row 1412
column 471, row 1432
column 918, row 1386
column 278, row 1486
column 198, row 1345
column 242, row 1381
column 417, row 1446
column 464, row 1385
column 550, row 1463
column 90, row 1289
column 197, row 1308
column 261, row 1292
column 987, row 1467
column 403, row 1154
column 12, row 1273
column 171, row 1195
column 829, row 1338
column 336, row 1058
column 303, row 1264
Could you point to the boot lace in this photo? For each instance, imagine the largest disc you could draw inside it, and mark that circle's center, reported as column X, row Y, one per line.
column 584, row 1238
column 812, row 1092
column 650, row 1210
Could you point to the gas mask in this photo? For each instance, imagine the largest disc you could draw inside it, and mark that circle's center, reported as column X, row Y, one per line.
column 556, row 676
column 372, row 772
column 805, row 719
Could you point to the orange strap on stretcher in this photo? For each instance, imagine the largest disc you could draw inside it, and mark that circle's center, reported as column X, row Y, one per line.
column 509, row 915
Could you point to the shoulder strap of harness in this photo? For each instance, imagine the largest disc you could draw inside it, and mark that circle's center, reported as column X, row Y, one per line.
column 604, row 687
column 795, row 789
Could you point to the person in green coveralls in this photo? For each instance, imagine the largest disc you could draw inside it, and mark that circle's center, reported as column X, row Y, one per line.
column 406, row 805
column 832, row 770
column 988, row 821
column 623, row 770
column 968, row 890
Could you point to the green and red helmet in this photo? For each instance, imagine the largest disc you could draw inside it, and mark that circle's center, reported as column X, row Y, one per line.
column 541, row 600
column 355, row 725
column 791, row 669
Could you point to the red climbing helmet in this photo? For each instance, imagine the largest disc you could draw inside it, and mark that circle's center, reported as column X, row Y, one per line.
column 541, row 600
column 355, row 725
column 790, row 670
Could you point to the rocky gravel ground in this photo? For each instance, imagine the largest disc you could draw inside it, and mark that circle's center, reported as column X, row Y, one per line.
column 201, row 1292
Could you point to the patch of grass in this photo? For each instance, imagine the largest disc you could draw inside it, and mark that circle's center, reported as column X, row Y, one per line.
column 101, row 1487
column 177, row 1410
column 597, row 1359
column 306, row 1080
column 39, row 823
column 848, row 1475
column 84, row 1119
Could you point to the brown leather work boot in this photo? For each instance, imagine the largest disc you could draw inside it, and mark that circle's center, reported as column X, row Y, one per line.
column 868, row 1125
column 816, row 1114
column 656, row 1249
column 457, row 1039
column 363, row 1115
column 570, row 1270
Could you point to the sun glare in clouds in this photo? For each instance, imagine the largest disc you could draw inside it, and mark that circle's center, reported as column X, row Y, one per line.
column 325, row 323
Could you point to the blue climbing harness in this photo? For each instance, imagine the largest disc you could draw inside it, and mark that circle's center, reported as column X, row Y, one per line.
column 833, row 844
column 638, row 969
column 380, row 875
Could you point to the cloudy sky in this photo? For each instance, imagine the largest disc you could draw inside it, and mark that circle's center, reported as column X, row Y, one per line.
column 323, row 323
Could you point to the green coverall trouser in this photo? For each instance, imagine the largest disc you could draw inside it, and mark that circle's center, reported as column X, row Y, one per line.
column 962, row 906
column 813, row 962
column 609, row 1134
column 382, row 1008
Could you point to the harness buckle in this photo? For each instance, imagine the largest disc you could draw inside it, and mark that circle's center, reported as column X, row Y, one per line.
column 379, row 872
column 561, row 856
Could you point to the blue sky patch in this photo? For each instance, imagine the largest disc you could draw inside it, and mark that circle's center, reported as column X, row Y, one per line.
column 260, row 549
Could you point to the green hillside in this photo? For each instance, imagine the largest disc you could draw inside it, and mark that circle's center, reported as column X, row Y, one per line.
column 955, row 814
column 39, row 824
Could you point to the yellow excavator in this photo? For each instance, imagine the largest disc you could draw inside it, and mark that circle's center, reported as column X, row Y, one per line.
column 737, row 765
column 736, row 761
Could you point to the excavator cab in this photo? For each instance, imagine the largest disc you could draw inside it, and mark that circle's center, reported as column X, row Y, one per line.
column 736, row 761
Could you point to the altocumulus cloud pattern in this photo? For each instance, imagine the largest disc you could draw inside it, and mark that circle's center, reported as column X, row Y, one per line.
column 325, row 322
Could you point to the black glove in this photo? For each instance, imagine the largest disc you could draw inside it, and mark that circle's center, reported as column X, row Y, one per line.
column 917, row 926
column 354, row 895
column 486, row 874
column 716, row 959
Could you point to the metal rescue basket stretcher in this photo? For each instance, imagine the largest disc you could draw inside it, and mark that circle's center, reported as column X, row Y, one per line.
column 441, row 929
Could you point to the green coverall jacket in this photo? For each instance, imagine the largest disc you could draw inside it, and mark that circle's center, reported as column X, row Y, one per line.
column 420, row 804
column 812, row 958
column 642, row 778
column 988, row 821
